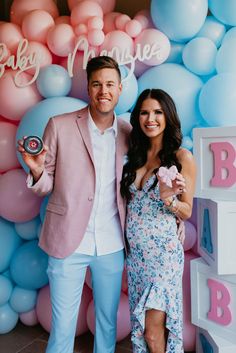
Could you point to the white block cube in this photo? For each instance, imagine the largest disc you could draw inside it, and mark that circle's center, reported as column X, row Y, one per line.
column 216, row 227
column 213, row 300
column 208, row 342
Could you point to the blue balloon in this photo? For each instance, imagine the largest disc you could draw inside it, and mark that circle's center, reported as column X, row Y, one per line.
column 129, row 91
column 23, row 300
column 180, row 20
column 9, row 242
column 28, row 266
column 230, row 35
column 217, row 100
column 35, row 120
column 182, row 85
column 212, row 29
column 6, row 288
column 53, row 81
column 176, row 51
column 28, row 230
column 199, row 56
column 224, row 11
column 8, row 318
column 226, row 57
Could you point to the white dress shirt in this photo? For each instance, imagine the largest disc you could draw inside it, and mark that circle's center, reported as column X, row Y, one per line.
column 103, row 234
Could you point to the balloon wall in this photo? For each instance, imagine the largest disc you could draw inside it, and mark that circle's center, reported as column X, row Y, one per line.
column 187, row 48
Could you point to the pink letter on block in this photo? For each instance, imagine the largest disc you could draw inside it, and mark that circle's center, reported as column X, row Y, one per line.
column 219, row 300
column 228, row 163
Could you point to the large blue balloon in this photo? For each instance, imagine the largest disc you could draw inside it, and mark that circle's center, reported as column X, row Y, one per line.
column 212, row 29
column 8, row 318
column 35, row 120
column 28, row 230
column 226, row 56
column 9, row 242
column 182, row 85
column 22, row 299
column 129, row 91
column 6, row 288
column 217, row 100
column 28, row 266
column 180, row 20
column 176, row 51
column 224, row 11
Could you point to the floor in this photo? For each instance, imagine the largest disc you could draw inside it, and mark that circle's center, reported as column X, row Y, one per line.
column 25, row 339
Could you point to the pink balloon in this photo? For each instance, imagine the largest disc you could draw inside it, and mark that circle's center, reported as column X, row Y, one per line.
column 81, row 29
column 193, row 218
column 144, row 17
column 43, row 54
column 8, row 158
column 61, row 39
column 190, row 235
column 88, row 279
column 4, row 53
column 79, row 79
column 189, row 330
column 120, row 40
column 124, row 285
column 107, row 6
column 123, row 318
column 62, row 19
column 140, row 68
column 95, row 37
column 157, row 40
column 17, row 202
column 109, row 22
column 29, row 318
column 20, row 8
column 44, row 309
column 95, row 23
column 121, row 20
column 14, row 100
column 10, row 35
column 133, row 28
column 36, row 24
column 84, row 10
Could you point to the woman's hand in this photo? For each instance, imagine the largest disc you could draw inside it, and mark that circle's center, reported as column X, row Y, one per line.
column 178, row 187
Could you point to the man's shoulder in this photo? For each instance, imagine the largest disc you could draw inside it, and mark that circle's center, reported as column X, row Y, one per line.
column 65, row 117
column 124, row 126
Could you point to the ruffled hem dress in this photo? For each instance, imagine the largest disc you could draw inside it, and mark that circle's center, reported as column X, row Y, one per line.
column 154, row 266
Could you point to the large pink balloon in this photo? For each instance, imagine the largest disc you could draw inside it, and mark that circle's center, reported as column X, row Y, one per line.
column 106, row 5
column 20, row 8
column 44, row 309
column 29, row 318
column 42, row 53
column 17, row 202
column 10, row 35
column 120, row 41
column 61, row 39
column 84, row 10
column 123, row 318
column 190, row 236
column 36, row 24
column 8, row 159
column 14, row 100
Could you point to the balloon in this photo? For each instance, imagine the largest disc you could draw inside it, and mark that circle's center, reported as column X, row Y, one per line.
column 159, row 43
column 20, row 8
column 44, row 309
column 144, row 17
column 170, row 77
column 226, row 56
column 9, row 242
column 6, row 289
column 28, row 266
column 121, row 21
column 107, row 6
column 224, row 11
column 8, row 318
column 123, row 318
column 43, row 54
column 199, row 56
column 29, row 318
column 28, row 230
column 129, row 91
column 217, row 100
column 212, row 29
column 61, row 39
column 95, row 37
column 85, row 9
column 95, row 23
column 35, row 120
column 230, row 35
column 176, row 51
column 118, row 41
column 10, row 34
column 17, row 202
column 8, row 159
column 190, row 235
column 23, row 300
column 36, row 24
column 23, row 97
column 187, row 143
column 133, row 28
column 180, row 20
column 53, row 81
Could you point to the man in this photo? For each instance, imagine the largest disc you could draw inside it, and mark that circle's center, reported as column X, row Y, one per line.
column 81, row 166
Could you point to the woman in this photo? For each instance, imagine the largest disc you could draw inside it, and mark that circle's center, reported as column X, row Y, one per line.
column 155, row 254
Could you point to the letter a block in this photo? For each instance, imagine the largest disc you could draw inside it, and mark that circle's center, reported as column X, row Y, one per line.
column 215, row 153
column 217, row 234
column 208, row 342
column 213, row 300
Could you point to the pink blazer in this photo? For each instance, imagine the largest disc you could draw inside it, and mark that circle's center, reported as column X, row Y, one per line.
column 70, row 178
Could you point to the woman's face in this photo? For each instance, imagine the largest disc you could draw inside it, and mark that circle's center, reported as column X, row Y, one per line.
column 152, row 119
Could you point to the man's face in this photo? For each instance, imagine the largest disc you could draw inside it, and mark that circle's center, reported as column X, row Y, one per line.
column 104, row 89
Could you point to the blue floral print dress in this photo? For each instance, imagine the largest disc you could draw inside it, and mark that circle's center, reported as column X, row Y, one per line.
column 154, row 266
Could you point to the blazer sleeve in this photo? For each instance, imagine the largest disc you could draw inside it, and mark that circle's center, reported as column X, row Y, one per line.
column 45, row 183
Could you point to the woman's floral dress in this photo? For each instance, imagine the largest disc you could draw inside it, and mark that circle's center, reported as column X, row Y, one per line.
column 154, row 265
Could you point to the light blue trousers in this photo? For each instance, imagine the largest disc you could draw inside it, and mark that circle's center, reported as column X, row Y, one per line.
column 66, row 280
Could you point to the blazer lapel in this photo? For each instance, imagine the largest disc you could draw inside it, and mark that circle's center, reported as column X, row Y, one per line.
column 82, row 123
